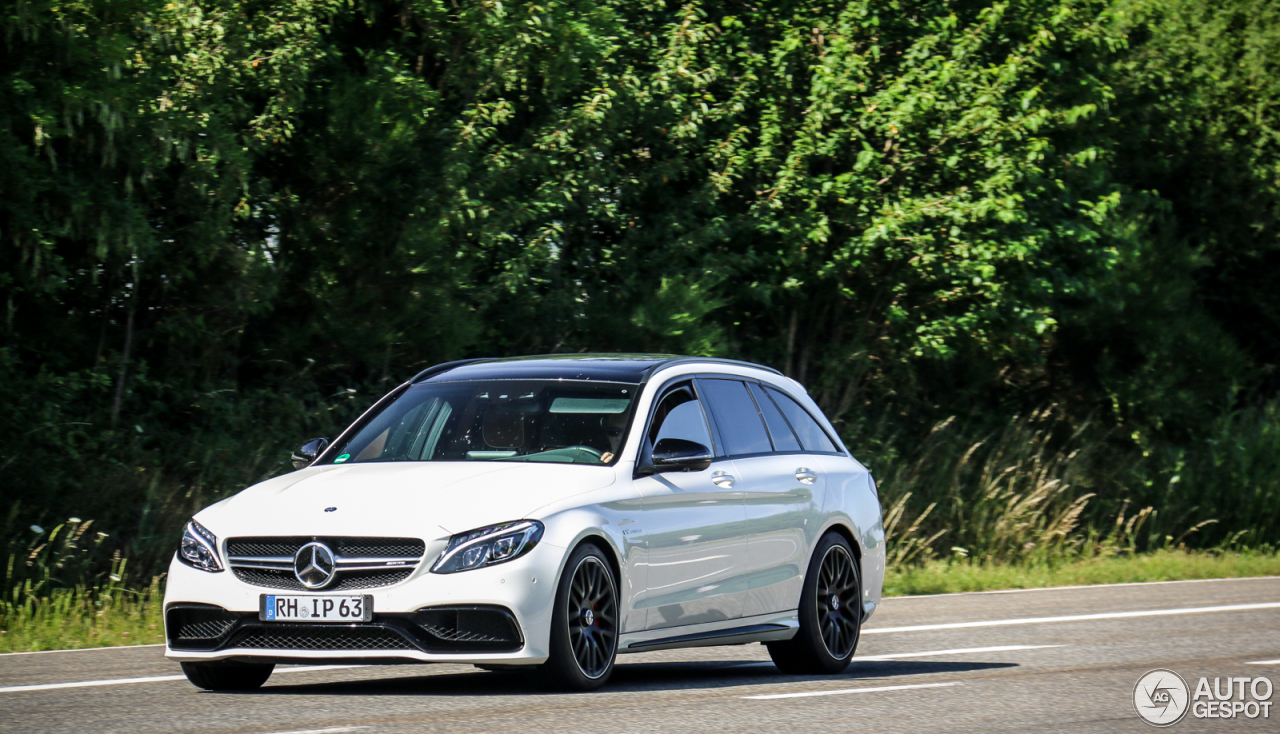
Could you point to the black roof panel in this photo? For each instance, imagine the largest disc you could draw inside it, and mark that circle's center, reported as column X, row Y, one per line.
column 630, row 368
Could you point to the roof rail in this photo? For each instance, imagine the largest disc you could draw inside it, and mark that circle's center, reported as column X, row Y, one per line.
column 712, row 360
column 443, row 367
column 446, row 366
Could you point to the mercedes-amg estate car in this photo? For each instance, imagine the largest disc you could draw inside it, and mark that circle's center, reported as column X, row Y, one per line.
column 545, row 513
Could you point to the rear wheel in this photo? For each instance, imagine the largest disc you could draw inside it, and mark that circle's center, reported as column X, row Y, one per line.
column 223, row 676
column 584, row 624
column 830, row 613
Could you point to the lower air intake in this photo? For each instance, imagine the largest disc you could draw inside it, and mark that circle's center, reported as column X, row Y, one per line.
column 469, row 628
column 198, row 626
column 321, row 638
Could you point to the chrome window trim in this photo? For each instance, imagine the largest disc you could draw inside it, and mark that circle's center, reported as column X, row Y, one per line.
column 764, row 384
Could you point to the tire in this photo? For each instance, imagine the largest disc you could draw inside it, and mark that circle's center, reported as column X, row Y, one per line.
column 830, row 613
column 584, row 624
column 222, row 676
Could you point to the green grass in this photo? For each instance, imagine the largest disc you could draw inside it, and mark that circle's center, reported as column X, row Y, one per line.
column 68, row 619
column 942, row 577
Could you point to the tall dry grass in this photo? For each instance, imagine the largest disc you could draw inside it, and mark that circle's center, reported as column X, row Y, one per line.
column 1026, row 492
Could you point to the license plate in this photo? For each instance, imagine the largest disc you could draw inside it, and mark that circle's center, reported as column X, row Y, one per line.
column 280, row 608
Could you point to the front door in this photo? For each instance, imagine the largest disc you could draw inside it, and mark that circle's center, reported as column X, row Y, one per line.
column 693, row 526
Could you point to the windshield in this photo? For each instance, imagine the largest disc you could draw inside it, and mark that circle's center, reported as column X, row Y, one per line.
column 559, row 421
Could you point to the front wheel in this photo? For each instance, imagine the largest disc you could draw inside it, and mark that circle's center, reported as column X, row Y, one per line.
column 584, row 624
column 220, row 676
column 830, row 613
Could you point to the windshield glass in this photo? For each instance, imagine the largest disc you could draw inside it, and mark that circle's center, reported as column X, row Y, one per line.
column 559, row 421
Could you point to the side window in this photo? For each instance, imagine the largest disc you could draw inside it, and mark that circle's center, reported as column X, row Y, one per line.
column 397, row 441
column 779, row 431
column 736, row 416
column 679, row 415
column 812, row 437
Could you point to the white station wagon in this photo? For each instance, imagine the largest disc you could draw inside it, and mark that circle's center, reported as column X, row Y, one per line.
column 542, row 512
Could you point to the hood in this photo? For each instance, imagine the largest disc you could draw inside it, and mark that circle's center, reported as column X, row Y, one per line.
column 399, row 499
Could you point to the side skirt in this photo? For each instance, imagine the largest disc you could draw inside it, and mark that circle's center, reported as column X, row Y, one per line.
column 764, row 628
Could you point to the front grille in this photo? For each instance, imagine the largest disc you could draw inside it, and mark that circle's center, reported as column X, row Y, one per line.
column 350, row 547
column 380, row 547
column 265, row 546
column 360, row 563
column 352, row 580
column 321, row 638
column 347, row 580
column 272, row 579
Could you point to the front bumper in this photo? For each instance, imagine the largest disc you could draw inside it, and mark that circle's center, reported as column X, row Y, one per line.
column 411, row 619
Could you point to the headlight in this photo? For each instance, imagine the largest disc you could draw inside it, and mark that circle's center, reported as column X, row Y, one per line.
column 488, row 546
column 197, row 549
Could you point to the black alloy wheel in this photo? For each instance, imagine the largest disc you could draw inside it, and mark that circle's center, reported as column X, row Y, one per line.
column 584, row 624
column 593, row 617
column 830, row 613
column 838, row 605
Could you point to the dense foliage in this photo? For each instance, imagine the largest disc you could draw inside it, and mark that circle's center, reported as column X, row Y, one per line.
column 229, row 226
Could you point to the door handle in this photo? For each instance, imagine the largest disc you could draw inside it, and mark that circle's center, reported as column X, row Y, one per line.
column 722, row 480
column 806, row 476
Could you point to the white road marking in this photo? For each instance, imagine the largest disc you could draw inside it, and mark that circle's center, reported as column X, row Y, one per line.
column 330, row 730
column 81, row 649
column 931, row 653
column 90, row 683
column 1264, row 662
column 156, row 679
column 1082, row 586
column 844, row 691
column 1073, row 618
column 957, row 651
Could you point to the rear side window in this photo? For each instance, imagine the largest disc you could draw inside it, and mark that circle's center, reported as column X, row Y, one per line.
column 736, row 416
column 811, row 435
column 783, row 438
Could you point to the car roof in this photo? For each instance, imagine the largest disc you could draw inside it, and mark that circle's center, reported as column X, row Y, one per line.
column 629, row 368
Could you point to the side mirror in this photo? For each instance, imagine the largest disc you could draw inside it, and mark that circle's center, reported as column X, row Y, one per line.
column 308, row 452
column 677, row 454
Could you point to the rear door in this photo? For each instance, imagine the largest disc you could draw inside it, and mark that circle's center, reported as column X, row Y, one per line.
column 782, row 485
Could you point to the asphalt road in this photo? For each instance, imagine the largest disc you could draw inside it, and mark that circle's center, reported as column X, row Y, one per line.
column 1047, row 660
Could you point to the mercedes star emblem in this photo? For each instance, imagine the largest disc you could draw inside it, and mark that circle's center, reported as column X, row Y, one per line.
column 314, row 565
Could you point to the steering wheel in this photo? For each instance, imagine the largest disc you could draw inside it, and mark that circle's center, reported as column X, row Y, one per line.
column 594, row 452
column 588, row 448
